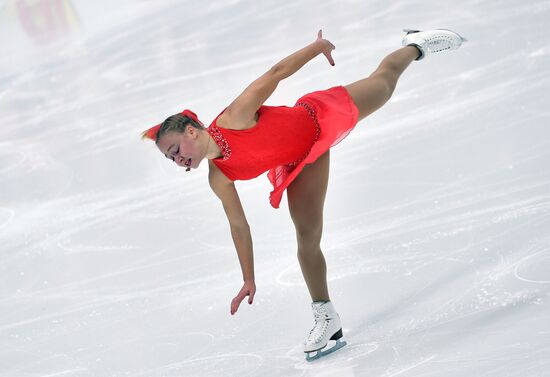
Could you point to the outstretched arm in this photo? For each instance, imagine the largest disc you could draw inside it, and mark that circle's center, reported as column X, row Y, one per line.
column 243, row 109
column 240, row 232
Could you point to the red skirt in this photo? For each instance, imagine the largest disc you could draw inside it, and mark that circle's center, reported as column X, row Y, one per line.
column 337, row 115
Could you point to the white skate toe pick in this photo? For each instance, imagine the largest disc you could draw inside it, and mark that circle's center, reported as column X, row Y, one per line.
column 432, row 41
column 326, row 335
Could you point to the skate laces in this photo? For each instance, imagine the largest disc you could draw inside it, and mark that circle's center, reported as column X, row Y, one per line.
column 321, row 324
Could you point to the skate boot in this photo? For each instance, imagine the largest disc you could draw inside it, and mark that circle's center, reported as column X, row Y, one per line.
column 326, row 336
column 432, row 41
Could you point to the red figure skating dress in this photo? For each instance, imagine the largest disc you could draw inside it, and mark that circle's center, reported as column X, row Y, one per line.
column 285, row 139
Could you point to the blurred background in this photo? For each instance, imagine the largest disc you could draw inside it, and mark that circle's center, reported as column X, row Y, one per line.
column 115, row 262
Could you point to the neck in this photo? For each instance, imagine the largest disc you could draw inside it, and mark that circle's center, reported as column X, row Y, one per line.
column 212, row 149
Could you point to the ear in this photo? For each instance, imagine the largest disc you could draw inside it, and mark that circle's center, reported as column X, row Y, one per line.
column 192, row 131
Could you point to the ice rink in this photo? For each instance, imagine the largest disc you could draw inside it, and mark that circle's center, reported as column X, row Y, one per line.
column 116, row 262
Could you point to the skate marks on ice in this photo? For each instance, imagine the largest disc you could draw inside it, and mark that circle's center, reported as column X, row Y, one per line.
column 6, row 216
column 177, row 353
column 251, row 364
column 224, row 364
column 72, row 250
column 534, row 267
column 10, row 158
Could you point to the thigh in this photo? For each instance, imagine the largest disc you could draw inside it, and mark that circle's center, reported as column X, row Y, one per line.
column 371, row 93
column 306, row 199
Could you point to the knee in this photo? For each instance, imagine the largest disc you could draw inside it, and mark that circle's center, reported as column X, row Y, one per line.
column 388, row 77
column 309, row 238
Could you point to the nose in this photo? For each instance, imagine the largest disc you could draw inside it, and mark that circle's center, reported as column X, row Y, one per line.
column 180, row 160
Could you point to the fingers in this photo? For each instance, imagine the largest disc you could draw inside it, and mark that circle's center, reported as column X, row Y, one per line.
column 320, row 34
column 235, row 304
column 330, row 59
column 329, row 55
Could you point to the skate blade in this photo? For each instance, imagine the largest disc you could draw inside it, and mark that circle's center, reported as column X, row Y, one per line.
column 310, row 356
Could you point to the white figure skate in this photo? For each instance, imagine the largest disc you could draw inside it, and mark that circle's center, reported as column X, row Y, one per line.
column 326, row 336
column 432, row 41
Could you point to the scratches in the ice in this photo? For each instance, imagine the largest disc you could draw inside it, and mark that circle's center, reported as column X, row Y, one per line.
column 408, row 368
column 289, row 276
column 6, row 216
column 541, row 264
column 66, row 372
column 10, row 158
column 360, row 350
column 229, row 362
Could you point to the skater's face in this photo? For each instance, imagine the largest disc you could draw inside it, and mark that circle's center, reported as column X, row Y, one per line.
column 184, row 148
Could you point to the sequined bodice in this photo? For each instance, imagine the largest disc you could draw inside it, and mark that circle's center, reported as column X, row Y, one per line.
column 217, row 135
column 282, row 136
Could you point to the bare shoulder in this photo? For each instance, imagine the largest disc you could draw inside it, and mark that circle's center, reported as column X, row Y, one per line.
column 223, row 121
column 215, row 176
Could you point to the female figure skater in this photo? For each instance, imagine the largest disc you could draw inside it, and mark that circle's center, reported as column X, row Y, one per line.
column 293, row 144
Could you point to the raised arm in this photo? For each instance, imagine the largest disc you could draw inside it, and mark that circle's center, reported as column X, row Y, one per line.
column 243, row 109
column 240, row 232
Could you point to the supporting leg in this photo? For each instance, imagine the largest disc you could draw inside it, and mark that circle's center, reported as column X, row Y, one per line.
column 306, row 198
column 314, row 270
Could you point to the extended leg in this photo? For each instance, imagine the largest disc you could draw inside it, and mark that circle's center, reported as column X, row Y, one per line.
column 371, row 93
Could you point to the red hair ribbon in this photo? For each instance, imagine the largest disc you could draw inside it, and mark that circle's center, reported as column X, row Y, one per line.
column 152, row 132
column 192, row 115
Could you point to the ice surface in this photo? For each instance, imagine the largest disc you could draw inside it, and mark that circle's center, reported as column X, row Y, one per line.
column 437, row 220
